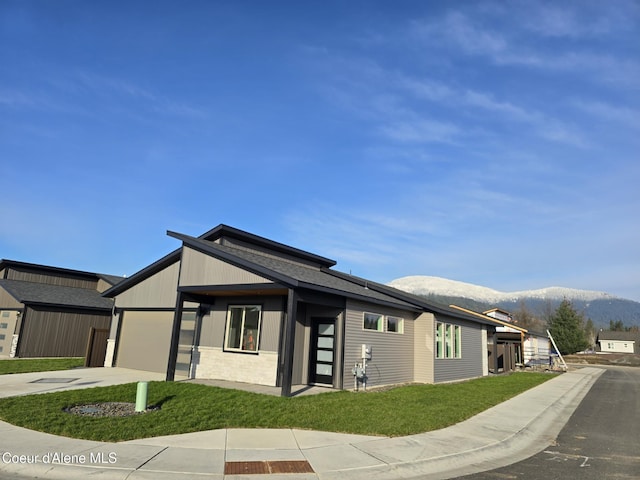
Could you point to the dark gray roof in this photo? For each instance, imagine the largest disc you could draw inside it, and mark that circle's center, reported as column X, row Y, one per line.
column 44, row 294
column 111, row 279
column 292, row 274
column 614, row 335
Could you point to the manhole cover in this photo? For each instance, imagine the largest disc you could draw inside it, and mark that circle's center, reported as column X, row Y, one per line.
column 54, row 380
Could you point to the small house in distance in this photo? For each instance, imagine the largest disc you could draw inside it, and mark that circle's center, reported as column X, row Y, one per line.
column 609, row 341
column 49, row 311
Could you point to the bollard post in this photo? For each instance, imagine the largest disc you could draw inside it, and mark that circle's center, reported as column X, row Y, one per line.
column 141, row 396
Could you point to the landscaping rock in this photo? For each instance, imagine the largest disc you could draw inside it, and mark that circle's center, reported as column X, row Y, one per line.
column 106, row 409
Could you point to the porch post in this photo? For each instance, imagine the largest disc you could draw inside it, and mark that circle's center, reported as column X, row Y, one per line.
column 495, row 353
column 175, row 339
column 289, row 342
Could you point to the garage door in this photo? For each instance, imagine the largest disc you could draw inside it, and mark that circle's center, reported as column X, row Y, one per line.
column 144, row 342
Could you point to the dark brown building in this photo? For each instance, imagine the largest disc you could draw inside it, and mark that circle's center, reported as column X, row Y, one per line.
column 50, row 312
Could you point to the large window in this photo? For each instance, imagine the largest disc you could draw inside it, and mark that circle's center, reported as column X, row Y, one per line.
column 448, row 340
column 243, row 328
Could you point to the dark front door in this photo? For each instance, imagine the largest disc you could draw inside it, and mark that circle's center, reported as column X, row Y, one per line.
column 96, row 347
column 322, row 350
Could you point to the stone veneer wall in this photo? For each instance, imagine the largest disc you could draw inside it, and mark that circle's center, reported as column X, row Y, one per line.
column 213, row 363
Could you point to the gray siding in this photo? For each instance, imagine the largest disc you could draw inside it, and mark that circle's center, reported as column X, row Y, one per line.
column 103, row 285
column 214, row 324
column 201, row 269
column 470, row 365
column 50, row 279
column 52, row 333
column 393, row 354
column 157, row 291
column 7, row 301
column 10, row 319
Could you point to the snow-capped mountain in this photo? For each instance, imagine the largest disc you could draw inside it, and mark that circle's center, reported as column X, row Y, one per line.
column 424, row 285
column 600, row 307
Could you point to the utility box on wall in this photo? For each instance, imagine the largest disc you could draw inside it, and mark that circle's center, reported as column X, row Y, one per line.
column 366, row 352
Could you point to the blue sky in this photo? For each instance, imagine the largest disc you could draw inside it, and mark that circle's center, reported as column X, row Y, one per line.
column 494, row 143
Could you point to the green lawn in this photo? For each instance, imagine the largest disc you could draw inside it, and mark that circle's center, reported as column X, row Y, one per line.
column 26, row 365
column 189, row 407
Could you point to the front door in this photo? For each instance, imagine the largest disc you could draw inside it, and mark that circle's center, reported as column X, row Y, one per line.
column 322, row 350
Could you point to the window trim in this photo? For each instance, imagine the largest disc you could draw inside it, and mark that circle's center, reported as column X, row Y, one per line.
column 380, row 322
column 226, row 347
column 448, row 341
column 400, row 330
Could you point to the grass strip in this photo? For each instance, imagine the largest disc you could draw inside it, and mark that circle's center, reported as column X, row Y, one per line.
column 190, row 407
column 27, row 365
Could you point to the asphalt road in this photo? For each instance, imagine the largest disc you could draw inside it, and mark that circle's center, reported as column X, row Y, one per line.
column 601, row 440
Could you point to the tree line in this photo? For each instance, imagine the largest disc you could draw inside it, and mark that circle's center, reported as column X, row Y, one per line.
column 569, row 328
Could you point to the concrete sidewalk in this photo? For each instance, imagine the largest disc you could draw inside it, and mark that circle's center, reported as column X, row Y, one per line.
column 505, row 434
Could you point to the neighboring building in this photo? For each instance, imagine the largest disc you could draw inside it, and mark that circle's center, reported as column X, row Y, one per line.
column 499, row 314
column 511, row 347
column 49, row 311
column 235, row 306
column 618, row 342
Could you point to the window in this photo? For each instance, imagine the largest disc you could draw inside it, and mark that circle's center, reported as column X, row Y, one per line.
column 372, row 321
column 4, row 325
column 448, row 340
column 2, row 336
column 5, row 313
column 243, row 328
column 395, row 324
column 439, row 340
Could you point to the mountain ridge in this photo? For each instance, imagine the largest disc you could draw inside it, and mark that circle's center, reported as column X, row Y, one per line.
column 423, row 284
column 600, row 307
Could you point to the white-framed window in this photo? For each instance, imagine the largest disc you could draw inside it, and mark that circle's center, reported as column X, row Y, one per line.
column 373, row 321
column 395, row 324
column 448, row 340
column 439, row 340
column 243, row 328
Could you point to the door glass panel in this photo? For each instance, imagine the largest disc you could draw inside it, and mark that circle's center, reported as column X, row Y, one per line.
column 325, row 342
column 326, row 329
column 323, row 369
column 325, row 356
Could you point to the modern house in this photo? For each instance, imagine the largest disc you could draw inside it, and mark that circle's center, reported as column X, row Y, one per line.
column 49, row 311
column 610, row 341
column 234, row 306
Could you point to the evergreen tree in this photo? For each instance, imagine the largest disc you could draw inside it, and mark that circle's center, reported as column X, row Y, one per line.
column 567, row 328
column 617, row 326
